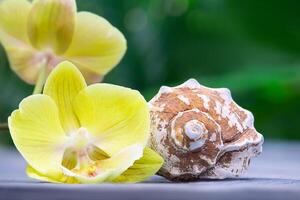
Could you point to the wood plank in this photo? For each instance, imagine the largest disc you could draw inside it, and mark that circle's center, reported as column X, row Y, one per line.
column 273, row 175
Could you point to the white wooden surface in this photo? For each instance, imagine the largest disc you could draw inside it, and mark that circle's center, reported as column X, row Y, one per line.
column 273, row 175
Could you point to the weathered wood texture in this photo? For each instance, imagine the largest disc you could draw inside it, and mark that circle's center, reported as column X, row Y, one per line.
column 273, row 175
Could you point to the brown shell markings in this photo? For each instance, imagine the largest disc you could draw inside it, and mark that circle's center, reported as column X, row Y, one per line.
column 201, row 132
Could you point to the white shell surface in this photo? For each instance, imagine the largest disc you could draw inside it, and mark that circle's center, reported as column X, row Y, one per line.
column 201, row 132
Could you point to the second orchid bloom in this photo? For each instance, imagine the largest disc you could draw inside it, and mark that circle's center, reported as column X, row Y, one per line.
column 39, row 35
column 74, row 133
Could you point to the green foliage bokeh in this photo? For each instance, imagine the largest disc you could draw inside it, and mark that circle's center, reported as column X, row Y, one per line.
column 251, row 46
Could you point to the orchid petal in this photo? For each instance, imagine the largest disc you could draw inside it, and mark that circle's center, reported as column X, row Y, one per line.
column 97, row 46
column 115, row 116
column 142, row 169
column 62, row 85
column 13, row 20
column 36, row 131
column 57, row 177
column 51, row 24
column 108, row 169
column 23, row 59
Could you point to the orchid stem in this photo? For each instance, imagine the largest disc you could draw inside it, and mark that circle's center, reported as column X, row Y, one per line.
column 4, row 127
column 40, row 82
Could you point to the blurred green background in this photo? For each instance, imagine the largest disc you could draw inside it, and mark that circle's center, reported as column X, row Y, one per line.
column 250, row 46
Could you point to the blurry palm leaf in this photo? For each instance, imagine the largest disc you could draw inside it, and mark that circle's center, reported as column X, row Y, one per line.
column 272, row 94
column 217, row 42
column 271, row 22
column 268, row 79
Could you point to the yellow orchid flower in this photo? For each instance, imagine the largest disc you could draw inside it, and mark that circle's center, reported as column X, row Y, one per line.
column 39, row 35
column 74, row 133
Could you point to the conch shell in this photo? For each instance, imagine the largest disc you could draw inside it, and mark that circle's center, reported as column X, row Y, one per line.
column 201, row 133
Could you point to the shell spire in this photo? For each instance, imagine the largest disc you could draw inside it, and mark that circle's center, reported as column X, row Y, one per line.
column 201, row 132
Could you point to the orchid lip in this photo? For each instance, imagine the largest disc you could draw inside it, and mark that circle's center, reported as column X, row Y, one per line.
column 79, row 139
column 48, row 58
column 85, row 163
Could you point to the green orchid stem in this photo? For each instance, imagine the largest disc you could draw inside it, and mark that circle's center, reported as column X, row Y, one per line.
column 40, row 82
column 4, row 127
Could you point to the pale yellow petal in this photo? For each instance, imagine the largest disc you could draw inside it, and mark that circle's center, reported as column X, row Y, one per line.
column 36, row 132
column 142, row 169
column 97, row 46
column 57, row 177
column 115, row 116
column 121, row 161
column 51, row 24
column 108, row 169
column 13, row 20
column 23, row 59
column 101, row 177
column 62, row 85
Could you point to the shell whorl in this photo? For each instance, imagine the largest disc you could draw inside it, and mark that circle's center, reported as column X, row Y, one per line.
column 194, row 127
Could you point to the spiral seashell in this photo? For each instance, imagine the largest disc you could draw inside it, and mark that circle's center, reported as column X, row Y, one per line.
column 201, row 133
